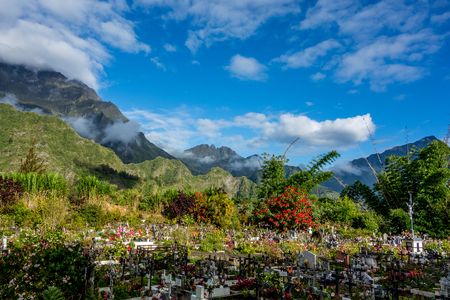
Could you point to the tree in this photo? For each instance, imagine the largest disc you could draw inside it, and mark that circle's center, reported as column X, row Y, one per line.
column 313, row 175
column 426, row 176
column 363, row 194
column 273, row 180
column 32, row 162
column 273, row 176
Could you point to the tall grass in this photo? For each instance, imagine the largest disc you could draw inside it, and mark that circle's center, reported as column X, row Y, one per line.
column 36, row 183
column 91, row 186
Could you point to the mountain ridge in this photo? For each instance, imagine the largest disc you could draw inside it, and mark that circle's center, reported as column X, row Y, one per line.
column 79, row 105
column 202, row 158
column 67, row 153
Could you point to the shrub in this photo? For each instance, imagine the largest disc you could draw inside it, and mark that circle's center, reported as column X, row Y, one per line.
column 213, row 241
column 10, row 191
column 216, row 208
column 35, row 263
column 36, row 183
column 182, row 205
column 291, row 210
column 156, row 201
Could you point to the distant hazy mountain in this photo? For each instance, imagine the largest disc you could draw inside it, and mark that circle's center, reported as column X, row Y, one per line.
column 359, row 169
column 49, row 92
column 202, row 158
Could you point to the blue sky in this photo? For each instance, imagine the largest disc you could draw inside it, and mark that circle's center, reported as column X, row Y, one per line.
column 251, row 74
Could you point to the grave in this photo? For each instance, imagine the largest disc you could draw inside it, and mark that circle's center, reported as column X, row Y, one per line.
column 310, row 259
column 414, row 246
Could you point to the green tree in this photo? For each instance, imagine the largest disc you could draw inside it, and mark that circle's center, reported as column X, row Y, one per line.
column 424, row 175
column 363, row 194
column 273, row 178
column 314, row 174
column 32, row 162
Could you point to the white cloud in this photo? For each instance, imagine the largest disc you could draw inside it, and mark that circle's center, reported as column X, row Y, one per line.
column 70, row 37
column 121, row 131
column 213, row 20
column 329, row 133
column 254, row 162
column 386, row 41
column 307, row 57
column 179, row 129
column 388, row 59
column 318, row 76
column 157, row 62
column 83, row 126
column 246, row 68
column 441, row 19
column 309, row 103
column 170, row 48
column 345, row 168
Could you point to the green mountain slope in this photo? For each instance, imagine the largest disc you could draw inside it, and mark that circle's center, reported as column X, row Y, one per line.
column 70, row 155
column 52, row 93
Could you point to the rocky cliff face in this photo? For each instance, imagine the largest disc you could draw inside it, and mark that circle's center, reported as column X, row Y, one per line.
column 52, row 93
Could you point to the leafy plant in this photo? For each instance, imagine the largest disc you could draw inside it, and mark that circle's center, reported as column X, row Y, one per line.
column 40, row 182
column 182, row 205
column 216, row 208
column 10, row 191
column 52, row 293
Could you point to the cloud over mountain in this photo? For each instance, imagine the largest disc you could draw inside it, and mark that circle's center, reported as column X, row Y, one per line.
column 176, row 131
column 71, row 37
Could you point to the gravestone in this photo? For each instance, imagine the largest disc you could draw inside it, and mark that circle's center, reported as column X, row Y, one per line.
column 199, row 293
column 310, row 259
column 221, row 292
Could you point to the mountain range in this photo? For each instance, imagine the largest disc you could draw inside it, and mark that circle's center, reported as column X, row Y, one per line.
column 51, row 93
column 203, row 157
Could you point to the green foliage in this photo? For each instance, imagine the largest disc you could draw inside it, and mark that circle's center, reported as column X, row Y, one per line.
column 425, row 175
column 313, row 175
column 213, row 241
column 398, row 221
column 32, row 162
column 52, row 293
column 274, row 181
column 37, row 183
column 37, row 262
column 345, row 211
column 361, row 193
column 273, row 176
column 91, row 186
column 93, row 214
column 215, row 207
column 156, row 201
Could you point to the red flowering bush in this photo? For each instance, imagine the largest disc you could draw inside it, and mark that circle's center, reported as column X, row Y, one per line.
column 291, row 210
